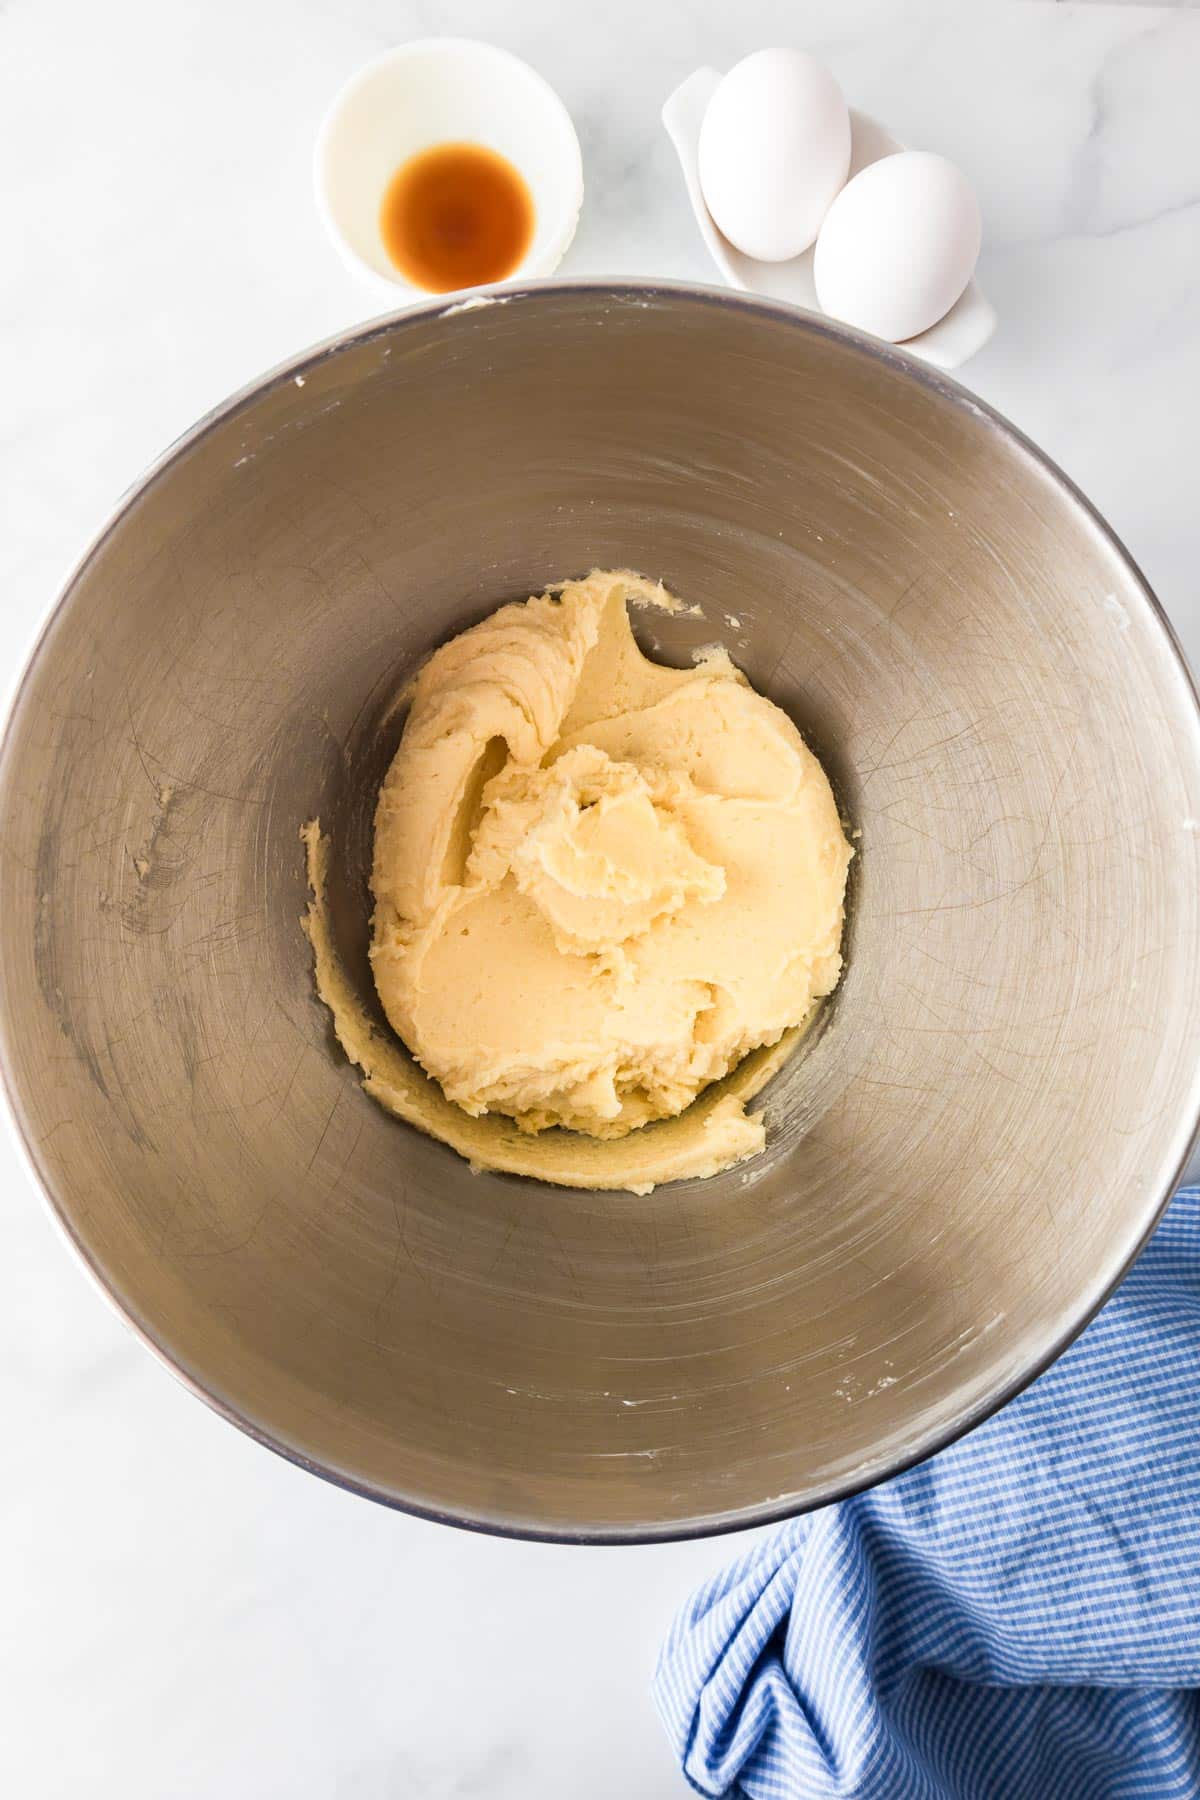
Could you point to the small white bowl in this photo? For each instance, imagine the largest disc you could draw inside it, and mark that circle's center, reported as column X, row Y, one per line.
column 434, row 91
column 965, row 329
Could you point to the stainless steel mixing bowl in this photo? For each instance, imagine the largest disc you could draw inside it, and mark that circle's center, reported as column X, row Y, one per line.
column 961, row 1162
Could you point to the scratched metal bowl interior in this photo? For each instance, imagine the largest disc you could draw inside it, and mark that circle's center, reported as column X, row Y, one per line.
column 961, row 1160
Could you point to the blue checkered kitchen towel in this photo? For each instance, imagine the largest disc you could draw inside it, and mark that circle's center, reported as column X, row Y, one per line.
column 1017, row 1619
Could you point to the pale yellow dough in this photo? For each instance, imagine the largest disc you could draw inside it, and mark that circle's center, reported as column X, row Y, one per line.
column 600, row 884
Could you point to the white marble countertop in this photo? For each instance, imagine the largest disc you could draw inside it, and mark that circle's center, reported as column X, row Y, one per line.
column 184, row 1615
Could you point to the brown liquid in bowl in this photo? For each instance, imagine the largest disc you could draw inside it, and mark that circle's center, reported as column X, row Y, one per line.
column 456, row 215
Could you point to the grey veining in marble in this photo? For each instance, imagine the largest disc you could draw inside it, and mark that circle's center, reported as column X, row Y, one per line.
column 184, row 1615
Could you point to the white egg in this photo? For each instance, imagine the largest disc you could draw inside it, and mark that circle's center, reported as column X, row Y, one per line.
column 774, row 150
column 898, row 245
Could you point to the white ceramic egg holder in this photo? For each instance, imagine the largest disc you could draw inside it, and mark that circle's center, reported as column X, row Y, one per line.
column 965, row 329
